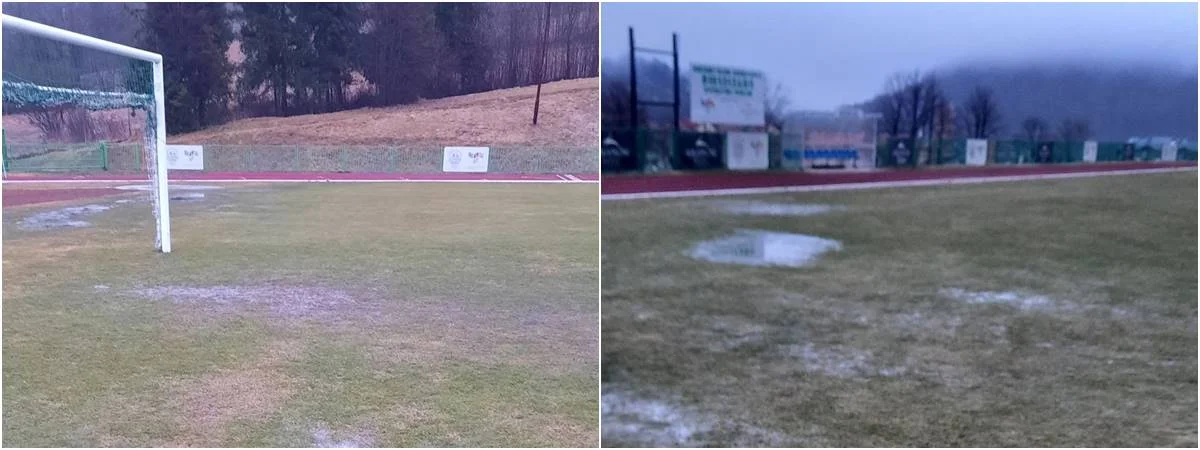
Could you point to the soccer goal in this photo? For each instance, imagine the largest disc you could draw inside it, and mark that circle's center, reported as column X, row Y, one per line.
column 63, row 89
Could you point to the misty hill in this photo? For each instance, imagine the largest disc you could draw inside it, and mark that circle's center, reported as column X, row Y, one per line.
column 1118, row 102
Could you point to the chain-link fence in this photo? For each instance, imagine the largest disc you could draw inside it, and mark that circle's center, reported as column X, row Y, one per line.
column 25, row 157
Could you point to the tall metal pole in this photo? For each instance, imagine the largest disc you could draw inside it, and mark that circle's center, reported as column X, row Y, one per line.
column 633, row 97
column 542, row 67
column 675, row 57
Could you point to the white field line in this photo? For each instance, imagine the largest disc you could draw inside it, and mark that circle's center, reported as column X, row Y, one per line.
column 883, row 184
column 245, row 180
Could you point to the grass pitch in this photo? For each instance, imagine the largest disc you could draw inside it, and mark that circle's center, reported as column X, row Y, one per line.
column 1053, row 313
column 308, row 315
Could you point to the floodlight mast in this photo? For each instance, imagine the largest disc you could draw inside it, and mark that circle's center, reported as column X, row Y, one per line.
column 161, row 201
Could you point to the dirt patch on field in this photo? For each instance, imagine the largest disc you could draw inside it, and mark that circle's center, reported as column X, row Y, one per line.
column 567, row 117
column 552, row 340
column 253, row 392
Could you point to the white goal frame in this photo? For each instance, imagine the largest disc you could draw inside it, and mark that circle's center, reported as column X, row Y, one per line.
column 159, row 178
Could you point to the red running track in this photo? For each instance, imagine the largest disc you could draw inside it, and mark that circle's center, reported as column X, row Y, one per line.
column 315, row 176
column 634, row 184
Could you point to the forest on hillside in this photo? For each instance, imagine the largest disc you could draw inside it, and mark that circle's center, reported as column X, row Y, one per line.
column 232, row 60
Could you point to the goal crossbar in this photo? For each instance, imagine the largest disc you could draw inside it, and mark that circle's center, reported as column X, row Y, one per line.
column 157, row 114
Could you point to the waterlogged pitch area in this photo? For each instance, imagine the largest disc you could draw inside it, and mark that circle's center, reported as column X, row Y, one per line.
column 1050, row 313
column 305, row 315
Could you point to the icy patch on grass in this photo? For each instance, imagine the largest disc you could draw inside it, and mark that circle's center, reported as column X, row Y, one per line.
column 323, row 438
column 188, row 196
column 1019, row 301
column 647, row 422
column 629, row 420
column 764, row 248
column 61, row 218
column 774, row 209
column 285, row 301
column 841, row 362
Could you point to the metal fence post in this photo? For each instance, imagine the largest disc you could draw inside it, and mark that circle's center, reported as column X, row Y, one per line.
column 104, row 156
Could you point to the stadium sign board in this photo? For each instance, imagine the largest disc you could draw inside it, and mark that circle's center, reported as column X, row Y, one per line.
column 728, row 96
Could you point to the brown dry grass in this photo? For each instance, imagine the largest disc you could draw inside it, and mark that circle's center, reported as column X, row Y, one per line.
column 567, row 117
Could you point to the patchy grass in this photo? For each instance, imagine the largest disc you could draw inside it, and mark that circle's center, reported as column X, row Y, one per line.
column 1056, row 313
column 308, row 315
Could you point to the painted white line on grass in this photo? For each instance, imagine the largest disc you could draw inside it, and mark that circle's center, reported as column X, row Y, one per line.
column 883, row 184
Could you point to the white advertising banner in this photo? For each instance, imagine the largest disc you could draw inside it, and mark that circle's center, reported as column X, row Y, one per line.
column 185, row 157
column 1089, row 151
column 465, row 159
column 728, row 96
column 977, row 152
column 1170, row 152
column 746, row 151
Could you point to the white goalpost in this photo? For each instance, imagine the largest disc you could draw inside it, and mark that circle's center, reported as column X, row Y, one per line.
column 47, row 94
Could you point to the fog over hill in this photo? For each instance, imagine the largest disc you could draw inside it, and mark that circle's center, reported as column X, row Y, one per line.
column 1119, row 100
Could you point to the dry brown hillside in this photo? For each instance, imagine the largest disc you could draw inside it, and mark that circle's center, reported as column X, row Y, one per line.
column 568, row 117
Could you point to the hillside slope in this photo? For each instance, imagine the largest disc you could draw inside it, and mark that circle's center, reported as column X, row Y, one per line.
column 567, row 117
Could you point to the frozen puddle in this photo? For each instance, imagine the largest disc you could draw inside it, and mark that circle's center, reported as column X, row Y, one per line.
column 647, row 422
column 631, row 421
column 188, row 196
column 765, row 248
column 1019, row 301
column 61, row 218
column 170, row 187
column 774, row 209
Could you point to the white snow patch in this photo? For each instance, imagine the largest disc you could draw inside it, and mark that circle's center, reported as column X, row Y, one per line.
column 773, row 209
column 653, row 423
column 649, row 422
column 188, row 196
column 764, row 248
column 61, row 218
column 841, row 362
column 323, row 438
column 1017, row 300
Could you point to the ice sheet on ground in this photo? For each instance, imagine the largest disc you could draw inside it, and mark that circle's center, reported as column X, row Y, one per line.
column 773, row 209
column 764, row 248
column 61, row 218
column 170, row 187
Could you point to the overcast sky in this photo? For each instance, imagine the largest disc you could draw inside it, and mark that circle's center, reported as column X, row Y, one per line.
column 830, row 54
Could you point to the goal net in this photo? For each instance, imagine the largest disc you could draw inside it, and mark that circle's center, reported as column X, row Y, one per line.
column 68, row 98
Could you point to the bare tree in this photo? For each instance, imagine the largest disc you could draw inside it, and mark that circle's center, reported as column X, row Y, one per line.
column 777, row 102
column 981, row 114
column 1074, row 130
column 891, row 103
column 1034, row 129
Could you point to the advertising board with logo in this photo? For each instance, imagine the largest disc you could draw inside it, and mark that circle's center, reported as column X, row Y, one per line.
column 465, row 159
column 977, row 152
column 185, row 157
column 1089, row 151
column 746, row 151
column 729, row 96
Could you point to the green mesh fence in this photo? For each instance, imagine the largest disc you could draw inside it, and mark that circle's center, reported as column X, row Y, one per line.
column 128, row 157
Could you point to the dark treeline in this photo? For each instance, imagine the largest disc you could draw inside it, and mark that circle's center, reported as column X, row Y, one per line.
column 226, row 60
